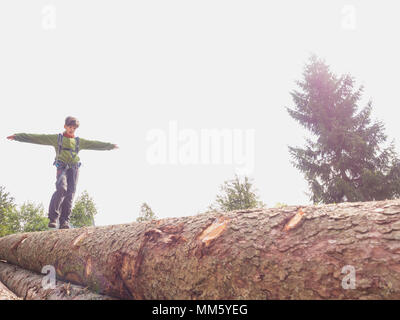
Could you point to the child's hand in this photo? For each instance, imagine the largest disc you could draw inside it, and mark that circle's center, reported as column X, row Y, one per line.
column 11, row 137
column 115, row 146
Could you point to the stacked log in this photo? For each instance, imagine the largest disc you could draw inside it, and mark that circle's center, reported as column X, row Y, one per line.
column 6, row 294
column 31, row 286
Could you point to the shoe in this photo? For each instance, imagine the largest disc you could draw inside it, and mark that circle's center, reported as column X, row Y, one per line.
column 65, row 225
column 52, row 225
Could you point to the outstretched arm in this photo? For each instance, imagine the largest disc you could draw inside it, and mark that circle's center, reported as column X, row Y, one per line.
column 46, row 139
column 95, row 145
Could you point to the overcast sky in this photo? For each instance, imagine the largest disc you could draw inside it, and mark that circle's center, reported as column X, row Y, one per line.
column 145, row 74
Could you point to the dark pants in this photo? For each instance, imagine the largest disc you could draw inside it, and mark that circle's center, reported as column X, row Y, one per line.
column 62, row 198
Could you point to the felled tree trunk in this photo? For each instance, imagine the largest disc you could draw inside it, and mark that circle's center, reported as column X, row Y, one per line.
column 30, row 286
column 343, row 251
column 6, row 294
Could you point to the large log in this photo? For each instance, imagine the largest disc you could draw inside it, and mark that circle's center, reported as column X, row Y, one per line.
column 307, row 252
column 30, row 286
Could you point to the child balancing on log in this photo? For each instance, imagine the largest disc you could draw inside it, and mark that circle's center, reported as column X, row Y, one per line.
column 67, row 147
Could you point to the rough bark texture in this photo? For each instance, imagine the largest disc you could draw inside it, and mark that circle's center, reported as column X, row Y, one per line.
column 6, row 294
column 277, row 253
column 28, row 285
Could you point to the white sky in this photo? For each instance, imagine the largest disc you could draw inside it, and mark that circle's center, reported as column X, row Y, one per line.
column 125, row 68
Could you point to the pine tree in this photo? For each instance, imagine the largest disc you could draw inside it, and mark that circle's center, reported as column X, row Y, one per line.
column 346, row 161
column 146, row 213
column 7, row 208
column 6, row 202
column 237, row 195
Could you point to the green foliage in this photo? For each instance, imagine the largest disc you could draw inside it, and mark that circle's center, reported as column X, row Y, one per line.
column 27, row 218
column 7, row 205
column 83, row 211
column 31, row 217
column 346, row 161
column 146, row 213
column 6, row 201
column 12, row 222
column 280, row 205
column 8, row 224
column 237, row 195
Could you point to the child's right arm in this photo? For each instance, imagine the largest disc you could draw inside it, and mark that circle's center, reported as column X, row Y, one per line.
column 46, row 139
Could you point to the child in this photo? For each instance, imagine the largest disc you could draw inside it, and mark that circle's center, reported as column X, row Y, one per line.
column 67, row 162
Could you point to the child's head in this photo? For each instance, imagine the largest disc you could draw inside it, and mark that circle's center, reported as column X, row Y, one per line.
column 71, row 124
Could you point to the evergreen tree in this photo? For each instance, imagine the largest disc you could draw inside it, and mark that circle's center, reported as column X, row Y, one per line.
column 146, row 213
column 7, row 206
column 5, row 199
column 83, row 212
column 346, row 161
column 237, row 195
column 6, row 202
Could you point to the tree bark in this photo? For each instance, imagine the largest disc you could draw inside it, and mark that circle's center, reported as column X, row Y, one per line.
column 28, row 285
column 6, row 294
column 336, row 251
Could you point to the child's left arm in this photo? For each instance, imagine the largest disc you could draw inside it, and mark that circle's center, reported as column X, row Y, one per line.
column 95, row 145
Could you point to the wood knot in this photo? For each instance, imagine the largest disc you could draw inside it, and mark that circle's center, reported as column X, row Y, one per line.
column 214, row 230
column 294, row 221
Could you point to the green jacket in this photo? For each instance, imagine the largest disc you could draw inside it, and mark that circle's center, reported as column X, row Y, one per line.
column 65, row 156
